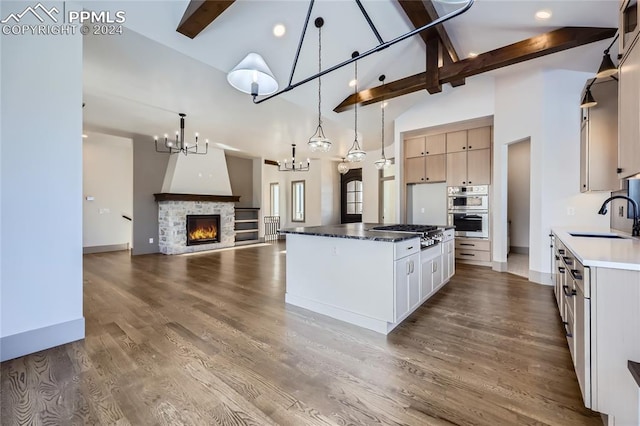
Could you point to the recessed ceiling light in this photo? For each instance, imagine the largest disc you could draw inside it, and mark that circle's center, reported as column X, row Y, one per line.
column 473, row 54
column 352, row 83
column 384, row 104
column 279, row 30
column 85, row 135
column 543, row 14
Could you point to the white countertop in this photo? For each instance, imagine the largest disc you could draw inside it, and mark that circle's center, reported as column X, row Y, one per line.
column 602, row 252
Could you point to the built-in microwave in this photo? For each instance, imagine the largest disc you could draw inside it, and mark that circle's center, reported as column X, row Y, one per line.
column 470, row 224
column 468, row 198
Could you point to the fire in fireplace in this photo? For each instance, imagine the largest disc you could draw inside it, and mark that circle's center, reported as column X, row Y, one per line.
column 202, row 229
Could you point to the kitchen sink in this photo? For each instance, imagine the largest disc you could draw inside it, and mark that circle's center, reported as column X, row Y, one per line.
column 596, row 235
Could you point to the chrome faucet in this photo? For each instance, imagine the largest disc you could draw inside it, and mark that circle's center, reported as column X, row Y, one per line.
column 636, row 224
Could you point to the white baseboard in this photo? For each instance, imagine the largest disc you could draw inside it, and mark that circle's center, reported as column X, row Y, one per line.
column 537, row 277
column 499, row 266
column 28, row 342
column 105, row 249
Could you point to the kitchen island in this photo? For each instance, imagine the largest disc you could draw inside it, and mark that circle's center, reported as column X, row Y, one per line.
column 373, row 279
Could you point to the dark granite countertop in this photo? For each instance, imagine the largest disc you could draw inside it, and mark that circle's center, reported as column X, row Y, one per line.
column 356, row 231
column 634, row 367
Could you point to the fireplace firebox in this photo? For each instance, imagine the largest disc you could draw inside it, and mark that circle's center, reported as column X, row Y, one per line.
column 203, row 229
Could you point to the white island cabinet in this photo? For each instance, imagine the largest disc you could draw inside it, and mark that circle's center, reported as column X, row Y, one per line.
column 368, row 278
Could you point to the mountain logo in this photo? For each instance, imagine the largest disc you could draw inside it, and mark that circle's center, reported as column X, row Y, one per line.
column 38, row 11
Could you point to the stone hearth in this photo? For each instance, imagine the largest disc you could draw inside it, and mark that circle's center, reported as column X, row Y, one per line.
column 172, row 222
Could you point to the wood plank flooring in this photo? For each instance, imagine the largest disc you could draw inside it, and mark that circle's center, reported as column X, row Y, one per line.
column 208, row 339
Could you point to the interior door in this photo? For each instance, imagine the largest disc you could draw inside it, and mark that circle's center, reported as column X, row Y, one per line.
column 351, row 196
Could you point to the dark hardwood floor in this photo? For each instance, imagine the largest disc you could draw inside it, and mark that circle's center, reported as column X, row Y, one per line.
column 208, row 339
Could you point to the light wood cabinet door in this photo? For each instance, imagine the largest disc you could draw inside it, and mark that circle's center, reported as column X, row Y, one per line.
column 457, row 141
column 628, row 113
column 414, row 170
column 436, row 144
column 414, row 147
column 479, row 138
column 479, row 167
column 435, row 168
column 457, row 168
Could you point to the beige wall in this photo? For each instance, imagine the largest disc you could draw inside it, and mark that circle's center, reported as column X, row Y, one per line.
column 518, row 193
column 241, row 179
column 107, row 177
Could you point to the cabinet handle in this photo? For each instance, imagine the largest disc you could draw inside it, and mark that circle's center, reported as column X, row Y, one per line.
column 410, row 248
column 435, row 267
column 408, row 267
column 427, row 152
column 576, row 274
column 467, row 254
column 469, row 146
column 412, row 267
column 565, row 290
column 422, row 153
column 470, row 182
column 427, row 178
column 619, row 170
column 567, row 260
column 561, row 269
column 464, row 147
column 421, row 178
column 557, row 257
column 464, row 183
column 566, row 329
column 468, row 244
column 561, row 251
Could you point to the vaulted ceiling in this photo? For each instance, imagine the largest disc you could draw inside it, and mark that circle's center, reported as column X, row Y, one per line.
column 138, row 82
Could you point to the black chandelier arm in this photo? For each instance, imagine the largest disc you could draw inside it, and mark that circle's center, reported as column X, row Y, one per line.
column 304, row 31
column 378, row 48
column 606, row 52
column 368, row 19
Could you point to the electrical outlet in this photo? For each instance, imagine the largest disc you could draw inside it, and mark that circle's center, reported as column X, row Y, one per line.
column 150, row 240
column 334, row 250
column 571, row 211
column 621, row 211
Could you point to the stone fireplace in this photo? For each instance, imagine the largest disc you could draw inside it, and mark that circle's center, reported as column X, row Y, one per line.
column 210, row 217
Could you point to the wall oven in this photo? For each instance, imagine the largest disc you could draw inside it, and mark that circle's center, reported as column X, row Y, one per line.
column 470, row 224
column 468, row 208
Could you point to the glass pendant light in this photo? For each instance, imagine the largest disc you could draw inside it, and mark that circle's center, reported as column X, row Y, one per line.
column 343, row 167
column 383, row 162
column 356, row 154
column 319, row 142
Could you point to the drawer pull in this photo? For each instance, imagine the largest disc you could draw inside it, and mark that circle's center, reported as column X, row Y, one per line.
column 566, row 329
column 561, row 251
column 567, row 260
column 561, row 269
column 576, row 274
column 468, row 244
column 565, row 289
column 410, row 248
column 467, row 254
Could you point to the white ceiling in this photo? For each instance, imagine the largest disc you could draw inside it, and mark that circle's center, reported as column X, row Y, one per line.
column 139, row 81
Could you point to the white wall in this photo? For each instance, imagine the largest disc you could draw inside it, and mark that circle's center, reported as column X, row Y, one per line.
column 198, row 174
column 519, row 193
column 107, row 176
column 427, row 204
column 41, row 188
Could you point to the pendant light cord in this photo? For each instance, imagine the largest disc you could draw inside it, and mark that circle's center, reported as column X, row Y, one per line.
column 383, row 129
column 606, row 52
column 356, row 104
column 319, row 78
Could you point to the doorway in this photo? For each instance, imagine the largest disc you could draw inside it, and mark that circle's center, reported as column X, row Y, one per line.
column 387, row 194
column 518, row 207
column 351, row 196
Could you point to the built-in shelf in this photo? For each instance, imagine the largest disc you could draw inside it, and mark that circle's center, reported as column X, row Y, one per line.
column 246, row 225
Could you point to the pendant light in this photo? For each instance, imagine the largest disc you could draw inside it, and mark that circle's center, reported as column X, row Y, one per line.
column 356, row 154
column 588, row 100
column 319, row 142
column 343, row 167
column 383, row 162
column 607, row 68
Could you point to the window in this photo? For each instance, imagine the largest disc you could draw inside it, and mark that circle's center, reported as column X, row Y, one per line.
column 354, row 197
column 297, row 201
column 275, row 199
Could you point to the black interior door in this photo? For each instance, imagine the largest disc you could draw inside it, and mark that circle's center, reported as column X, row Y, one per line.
column 351, row 196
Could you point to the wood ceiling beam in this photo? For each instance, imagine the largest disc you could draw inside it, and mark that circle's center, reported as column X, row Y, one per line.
column 531, row 48
column 434, row 56
column 199, row 14
column 420, row 13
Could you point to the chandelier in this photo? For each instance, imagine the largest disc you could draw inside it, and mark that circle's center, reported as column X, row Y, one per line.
column 343, row 167
column 286, row 166
column 356, row 154
column 180, row 145
column 383, row 162
column 319, row 142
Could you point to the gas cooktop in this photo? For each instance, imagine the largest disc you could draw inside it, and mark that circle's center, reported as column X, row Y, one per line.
column 406, row 228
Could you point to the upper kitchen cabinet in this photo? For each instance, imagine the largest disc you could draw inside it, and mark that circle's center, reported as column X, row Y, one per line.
column 628, row 24
column 628, row 112
column 425, row 159
column 469, row 157
column 599, row 139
